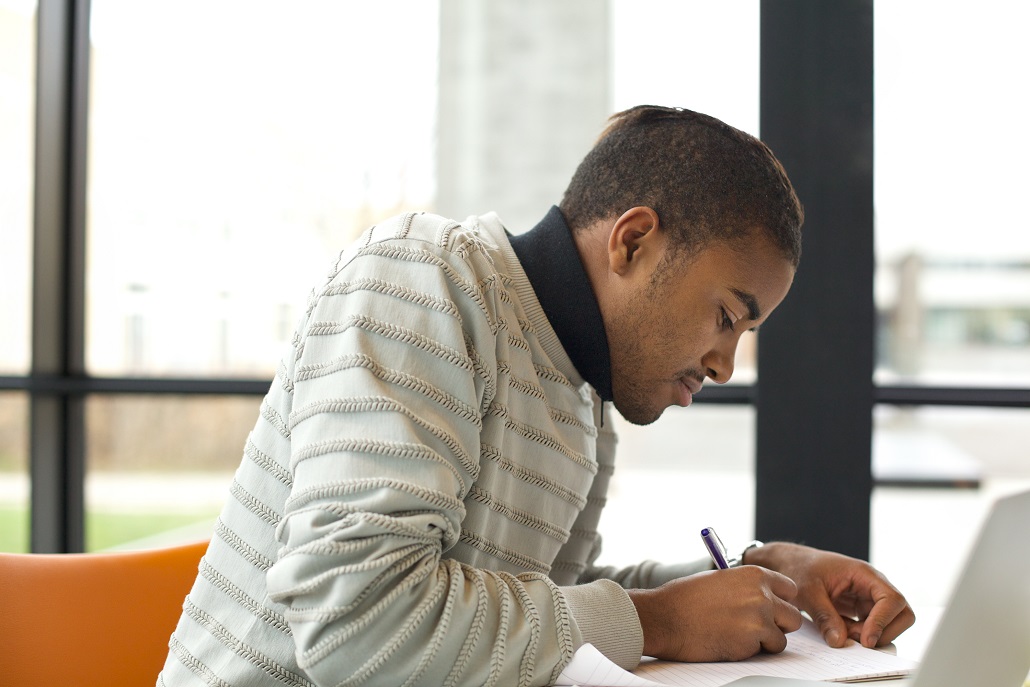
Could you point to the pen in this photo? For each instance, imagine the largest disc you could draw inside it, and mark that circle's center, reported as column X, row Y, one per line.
column 715, row 548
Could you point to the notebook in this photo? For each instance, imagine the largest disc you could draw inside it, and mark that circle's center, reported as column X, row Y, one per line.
column 983, row 638
column 806, row 656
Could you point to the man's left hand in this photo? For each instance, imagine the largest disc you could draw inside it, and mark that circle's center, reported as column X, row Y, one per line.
column 846, row 597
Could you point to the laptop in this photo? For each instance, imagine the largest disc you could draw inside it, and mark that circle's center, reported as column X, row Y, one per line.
column 983, row 637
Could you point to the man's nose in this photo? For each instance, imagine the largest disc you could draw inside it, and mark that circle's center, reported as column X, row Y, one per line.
column 719, row 362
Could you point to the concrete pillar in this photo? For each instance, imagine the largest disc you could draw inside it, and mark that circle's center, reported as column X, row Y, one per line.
column 907, row 334
column 525, row 88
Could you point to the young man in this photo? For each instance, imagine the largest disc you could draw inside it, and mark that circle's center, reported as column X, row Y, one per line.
column 418, row 502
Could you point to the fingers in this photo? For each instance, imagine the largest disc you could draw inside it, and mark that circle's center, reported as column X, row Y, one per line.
column 886, row 621
column 774, row 642
column 880, row 623
column 884, row 615
column 786, row 617
column 780, row 585
column 830, row 623
column 903, row 621
column 848, row 598
column 721, row 615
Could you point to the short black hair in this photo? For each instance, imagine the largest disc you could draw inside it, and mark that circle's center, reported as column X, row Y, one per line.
column 707, row 181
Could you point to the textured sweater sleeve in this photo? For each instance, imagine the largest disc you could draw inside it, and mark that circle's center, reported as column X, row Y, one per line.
column 602, row 608
column 646, row 574
column 391, row 377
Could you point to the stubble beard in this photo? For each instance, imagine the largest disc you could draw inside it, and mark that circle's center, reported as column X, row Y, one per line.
column 632, row 396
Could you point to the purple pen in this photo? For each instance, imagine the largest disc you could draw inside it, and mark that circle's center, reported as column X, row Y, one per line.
column 715, row 548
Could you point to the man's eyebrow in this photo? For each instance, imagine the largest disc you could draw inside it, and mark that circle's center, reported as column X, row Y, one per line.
column 750, row 302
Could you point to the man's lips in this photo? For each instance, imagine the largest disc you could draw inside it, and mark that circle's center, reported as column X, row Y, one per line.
column 687, row 388
column 693, row 385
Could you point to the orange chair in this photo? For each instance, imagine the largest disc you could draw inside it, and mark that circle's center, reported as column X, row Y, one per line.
column 90, row 619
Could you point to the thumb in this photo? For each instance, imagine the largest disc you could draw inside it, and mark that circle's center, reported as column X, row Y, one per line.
column 829, row 622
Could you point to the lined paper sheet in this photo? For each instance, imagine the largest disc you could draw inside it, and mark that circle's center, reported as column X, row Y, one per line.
column 806, row 657
column 590, row 668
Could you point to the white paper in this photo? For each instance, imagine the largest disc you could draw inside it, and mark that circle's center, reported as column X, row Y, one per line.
column 590, row 668
column 806, row 657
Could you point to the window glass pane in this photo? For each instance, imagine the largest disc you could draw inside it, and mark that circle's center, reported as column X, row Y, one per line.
column 953, row 249
column 14, row 473
column 159, row 467
column 693, row 468
column 922, row 533
column 17, row 105
column 700, row 55
column 235, row 147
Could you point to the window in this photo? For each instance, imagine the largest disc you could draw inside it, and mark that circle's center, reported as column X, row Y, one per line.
column 224, row 177
column 953, row 253
column 160, row 466
column 941, row 448
column 692, row 55
column 676, row 469
column 14, row 473
column 17, row 68
column 952, row 283
column 200, row 163
column 699, row 55
column 692, row 468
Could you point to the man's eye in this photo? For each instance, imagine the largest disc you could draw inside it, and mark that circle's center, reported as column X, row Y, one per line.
column 727, row 323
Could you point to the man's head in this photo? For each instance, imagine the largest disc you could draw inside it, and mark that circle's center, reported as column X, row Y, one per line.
column 706, row 180
column 690, row 233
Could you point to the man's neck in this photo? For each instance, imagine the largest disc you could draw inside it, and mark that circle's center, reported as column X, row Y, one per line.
column 549, row 256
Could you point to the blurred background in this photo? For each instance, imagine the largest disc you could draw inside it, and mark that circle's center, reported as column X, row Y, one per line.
column 235, row 147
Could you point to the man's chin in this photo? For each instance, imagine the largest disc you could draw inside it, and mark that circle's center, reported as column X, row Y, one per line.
column 637, row 415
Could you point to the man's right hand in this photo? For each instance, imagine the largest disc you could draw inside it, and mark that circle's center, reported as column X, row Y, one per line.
column 721, row 615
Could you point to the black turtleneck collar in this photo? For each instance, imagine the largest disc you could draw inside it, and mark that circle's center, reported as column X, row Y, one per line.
column 548, row 255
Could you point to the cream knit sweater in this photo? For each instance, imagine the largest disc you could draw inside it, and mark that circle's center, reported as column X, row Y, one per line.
column 418, row 501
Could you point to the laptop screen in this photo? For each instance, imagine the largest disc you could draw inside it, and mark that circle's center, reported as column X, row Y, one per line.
column 984, row 634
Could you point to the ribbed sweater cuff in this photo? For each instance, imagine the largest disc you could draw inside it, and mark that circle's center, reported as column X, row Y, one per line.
column 607, row 618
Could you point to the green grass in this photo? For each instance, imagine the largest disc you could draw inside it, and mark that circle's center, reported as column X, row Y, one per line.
column 103, row 530
column 14, row 528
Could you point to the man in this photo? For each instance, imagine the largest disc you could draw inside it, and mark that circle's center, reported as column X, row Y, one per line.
column 418, row 502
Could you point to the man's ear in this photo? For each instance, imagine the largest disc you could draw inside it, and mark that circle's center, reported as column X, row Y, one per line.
column 634, row 230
